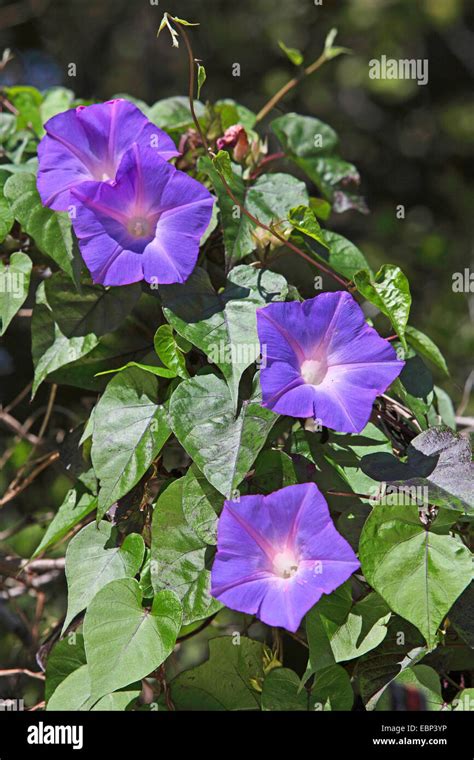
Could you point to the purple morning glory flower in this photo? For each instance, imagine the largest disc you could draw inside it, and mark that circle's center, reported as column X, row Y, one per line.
column 324, row 361
column 147, row 224
column 277, row 555
column 88, row 143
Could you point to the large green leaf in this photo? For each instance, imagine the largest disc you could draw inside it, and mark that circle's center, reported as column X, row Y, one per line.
column 77, row 504
column 173, row 114
column 51, row 350
column 311, row 144
column 74, row 694
column 401, row 648
column 124, row 641
column 438, row 461
column 224, row 446
column 343, row 256
column 201, row 504
column 223, row 324
column 65, row 657
column 178, row 557
column 51, row 230
column 6, row 214
column 281, row 691
column 331, row 690
column 351, row 632
column 91, row 310
column 425, row 346
column 224, row 681
column 419, row 574
column 130, row 428
column 389, row 291
column 14, row 284
column 93, row 559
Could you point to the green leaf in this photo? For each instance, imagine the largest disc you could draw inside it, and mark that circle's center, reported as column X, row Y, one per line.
column 281, row 691
column 344, row 257
column 169, row 352
column 303, row 219
column 27, row 101
column 273, row 470
column 6, row 215
column 201, row 78
column 93, row 559
column 304, row 136
column 364, row 629
column 232, row 113
column 92, row 310
column 124, row 641
column 461, row 615
column 130, row 429
column 438, row 461
column 419, row 574
column 223, row 446
column 389, row 291
column 65, row 657
column 425, row 346
column 223, row 324
column 331, row 690
column 118, row 701
column 201, row 504
column 157, row 371
column 414, row 388
column 224, row 681
column 14, row 285
column 50, row 349
column 223, row 165
column 173, row 114
column 51, row 230
column 422, row 679
column 401, row 648
column 311, row 144
column 294, row 55
column 73, row 694
column 178, row 557
column 331, row 51
column 445, row 408
column 76, row 506
column 55, row 100
column 331, row 608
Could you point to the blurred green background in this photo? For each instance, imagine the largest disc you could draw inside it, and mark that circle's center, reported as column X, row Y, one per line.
column 413, row 145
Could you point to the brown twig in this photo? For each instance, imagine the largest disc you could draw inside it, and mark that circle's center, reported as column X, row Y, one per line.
column 22, row 671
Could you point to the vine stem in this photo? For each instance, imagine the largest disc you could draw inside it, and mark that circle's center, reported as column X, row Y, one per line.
column 290, row 85
column 342, row 281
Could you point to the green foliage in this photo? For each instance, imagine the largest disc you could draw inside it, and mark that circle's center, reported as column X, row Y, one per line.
column 418, row 572
column 159, row 389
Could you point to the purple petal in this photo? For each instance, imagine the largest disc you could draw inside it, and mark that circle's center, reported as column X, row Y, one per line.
column 323, row 360
column 129, row 231
column 88, row 143
column 260, row 536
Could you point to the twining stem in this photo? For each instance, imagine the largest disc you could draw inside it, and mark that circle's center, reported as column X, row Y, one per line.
column 341, row 280
column 289, row 85
column 191, row 86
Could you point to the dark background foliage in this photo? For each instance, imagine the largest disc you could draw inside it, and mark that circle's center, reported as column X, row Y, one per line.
column 412, row 145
